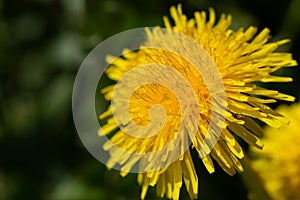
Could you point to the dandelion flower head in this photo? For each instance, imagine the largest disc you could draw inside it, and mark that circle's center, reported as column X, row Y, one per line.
column 279, row 163
column 242, row 57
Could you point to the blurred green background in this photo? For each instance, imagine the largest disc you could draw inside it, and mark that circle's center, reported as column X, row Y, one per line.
column 42, row 44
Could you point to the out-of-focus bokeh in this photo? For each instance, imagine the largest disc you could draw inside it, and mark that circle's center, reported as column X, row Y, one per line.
column 42, row 44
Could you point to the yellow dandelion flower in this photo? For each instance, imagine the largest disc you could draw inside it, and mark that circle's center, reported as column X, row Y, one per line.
column 242, row 58
column 278, row 163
